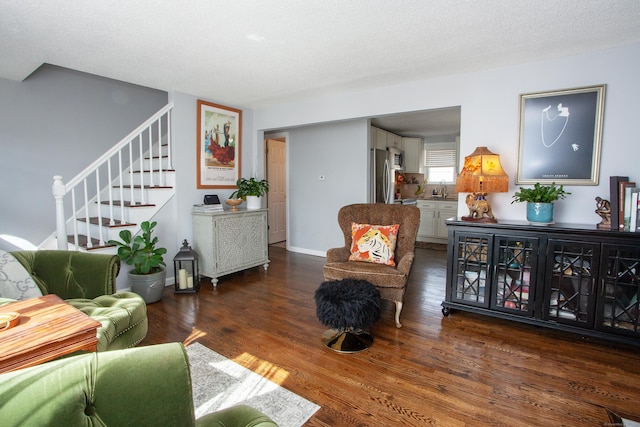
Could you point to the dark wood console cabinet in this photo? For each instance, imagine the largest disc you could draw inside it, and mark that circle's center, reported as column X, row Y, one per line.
column 565, row 276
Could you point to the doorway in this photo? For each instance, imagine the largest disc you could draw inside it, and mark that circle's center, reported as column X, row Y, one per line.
column 276, row 173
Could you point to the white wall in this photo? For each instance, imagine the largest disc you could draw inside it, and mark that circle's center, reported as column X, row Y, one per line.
column 184, row 158
column 56, row 122
column 490, row 117
column 336, row 144
column 334, row 151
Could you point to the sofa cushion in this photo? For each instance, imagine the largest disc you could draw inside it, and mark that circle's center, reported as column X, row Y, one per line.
column 123, row 316
column 15, row 282
column 373, row 243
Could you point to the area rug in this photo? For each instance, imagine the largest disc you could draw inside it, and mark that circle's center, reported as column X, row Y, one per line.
column 219, row 383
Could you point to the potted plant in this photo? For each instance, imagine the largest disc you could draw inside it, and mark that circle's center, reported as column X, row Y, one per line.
column 540, row 200
column 251, row 190
column 148, row 276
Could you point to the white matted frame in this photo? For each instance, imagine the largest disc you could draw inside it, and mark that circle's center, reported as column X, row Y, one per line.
column 218, row 145
column 561, row 136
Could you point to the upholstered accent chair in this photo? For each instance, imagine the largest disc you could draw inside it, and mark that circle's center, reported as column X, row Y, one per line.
column 391, row 281
column 87, row 281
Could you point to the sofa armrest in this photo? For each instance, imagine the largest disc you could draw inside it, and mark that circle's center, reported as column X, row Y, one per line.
column 239, row 415
column 141, row 386
column 71, row 274
column 338, row 254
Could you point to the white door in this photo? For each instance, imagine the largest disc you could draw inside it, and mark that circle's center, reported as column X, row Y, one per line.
column 277, row 197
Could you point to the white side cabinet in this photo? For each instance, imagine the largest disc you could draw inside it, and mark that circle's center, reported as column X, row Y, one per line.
column 230, row 241
column 433, row 214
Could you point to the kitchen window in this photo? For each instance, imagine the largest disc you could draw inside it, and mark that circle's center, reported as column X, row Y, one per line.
column 441, row 162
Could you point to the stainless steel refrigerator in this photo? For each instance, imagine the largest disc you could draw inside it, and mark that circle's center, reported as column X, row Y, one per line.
column 385, row 163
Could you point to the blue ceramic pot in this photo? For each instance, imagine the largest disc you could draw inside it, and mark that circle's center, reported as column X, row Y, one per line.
column 540, row 212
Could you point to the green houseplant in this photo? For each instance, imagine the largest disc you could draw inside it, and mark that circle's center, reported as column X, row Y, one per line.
column 250, row 190
column 148, row 276
column 250, row 187
column 540, row 200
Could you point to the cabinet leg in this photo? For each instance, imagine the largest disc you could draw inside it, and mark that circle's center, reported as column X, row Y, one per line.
column 214, row 282
column 446, row 311
column 265, row 265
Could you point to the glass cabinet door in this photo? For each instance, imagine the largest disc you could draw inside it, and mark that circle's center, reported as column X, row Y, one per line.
column 513, row 283
column 570, row 292
column 618, row 308
column 471, row 269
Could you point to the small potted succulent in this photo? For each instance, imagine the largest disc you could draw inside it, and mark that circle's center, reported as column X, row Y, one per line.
column 540, row 200
column 148, row 276
column 251, row 190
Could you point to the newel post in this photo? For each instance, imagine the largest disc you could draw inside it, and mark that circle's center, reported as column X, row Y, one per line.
column 61, row 225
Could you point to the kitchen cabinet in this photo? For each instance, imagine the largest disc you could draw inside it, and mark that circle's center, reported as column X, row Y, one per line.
column 427, row 226
column 380, row 138
column 230, row 241
column 433, row 214
column 563, row 276
column 413, row 148
column 394, row 141
column 446, row 210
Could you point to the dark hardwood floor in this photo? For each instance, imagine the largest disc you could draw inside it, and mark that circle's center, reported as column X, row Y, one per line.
column 462, row 370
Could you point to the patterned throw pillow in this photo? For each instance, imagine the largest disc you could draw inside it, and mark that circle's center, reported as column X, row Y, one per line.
column 373, row 243
column 15, row 281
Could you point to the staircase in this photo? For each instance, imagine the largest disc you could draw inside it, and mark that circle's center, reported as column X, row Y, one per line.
column 127, row 185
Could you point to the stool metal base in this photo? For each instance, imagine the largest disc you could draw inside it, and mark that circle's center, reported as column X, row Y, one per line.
column 346, row 341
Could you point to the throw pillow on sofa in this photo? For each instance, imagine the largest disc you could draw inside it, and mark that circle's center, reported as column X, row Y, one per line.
column 15, row 281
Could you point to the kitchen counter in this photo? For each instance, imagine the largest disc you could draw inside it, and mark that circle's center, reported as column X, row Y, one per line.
column 442, row 199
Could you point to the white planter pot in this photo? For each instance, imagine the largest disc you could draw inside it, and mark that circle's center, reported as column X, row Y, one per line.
column 254, row 202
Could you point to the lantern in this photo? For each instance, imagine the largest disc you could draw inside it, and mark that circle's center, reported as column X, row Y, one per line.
column 186, row 270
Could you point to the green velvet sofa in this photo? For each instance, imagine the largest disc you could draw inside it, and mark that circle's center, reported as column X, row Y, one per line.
column 144, row 386
column 87, row 281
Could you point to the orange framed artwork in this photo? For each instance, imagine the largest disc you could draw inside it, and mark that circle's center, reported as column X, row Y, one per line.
column 218, row 145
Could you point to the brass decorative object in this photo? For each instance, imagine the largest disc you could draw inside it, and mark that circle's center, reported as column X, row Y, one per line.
column 233, row 203
column 603, row 209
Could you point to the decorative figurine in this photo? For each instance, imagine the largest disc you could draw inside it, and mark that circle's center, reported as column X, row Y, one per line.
column 478, row 208
column 603, row 208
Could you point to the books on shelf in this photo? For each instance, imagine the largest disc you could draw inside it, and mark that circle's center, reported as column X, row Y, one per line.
column 633, row 210
column 625, row 204
column 207, row 208
column 630, row 209
column 614, row 199
column 624, row 201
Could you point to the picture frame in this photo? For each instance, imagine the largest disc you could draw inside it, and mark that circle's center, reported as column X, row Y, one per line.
column 560, row 136
column 219, row 145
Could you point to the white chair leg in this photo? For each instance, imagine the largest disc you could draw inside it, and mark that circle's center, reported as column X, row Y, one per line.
column 398, row 310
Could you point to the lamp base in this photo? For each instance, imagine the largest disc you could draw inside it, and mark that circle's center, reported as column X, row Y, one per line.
column 483, row 219
column 479, row 208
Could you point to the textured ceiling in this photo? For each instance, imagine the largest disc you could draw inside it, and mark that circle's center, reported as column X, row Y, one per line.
column 256, row 53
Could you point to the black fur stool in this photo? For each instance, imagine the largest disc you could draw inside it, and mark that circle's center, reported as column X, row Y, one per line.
column 349, row 307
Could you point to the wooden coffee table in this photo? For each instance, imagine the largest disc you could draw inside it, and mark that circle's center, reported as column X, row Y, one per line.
column 48, row 328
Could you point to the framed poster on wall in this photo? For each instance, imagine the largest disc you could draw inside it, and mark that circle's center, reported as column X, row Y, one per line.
column 560, row 136
column 218, row 145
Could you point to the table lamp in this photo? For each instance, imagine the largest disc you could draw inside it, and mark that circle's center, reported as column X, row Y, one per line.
column 481, row 174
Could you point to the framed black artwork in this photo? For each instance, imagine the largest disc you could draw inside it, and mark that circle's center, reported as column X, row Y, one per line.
column 560, row 136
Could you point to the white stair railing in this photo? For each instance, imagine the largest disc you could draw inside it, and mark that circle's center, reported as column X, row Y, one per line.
column 128, row 159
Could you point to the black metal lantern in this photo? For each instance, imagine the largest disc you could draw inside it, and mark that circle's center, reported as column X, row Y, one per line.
column 186, row 270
